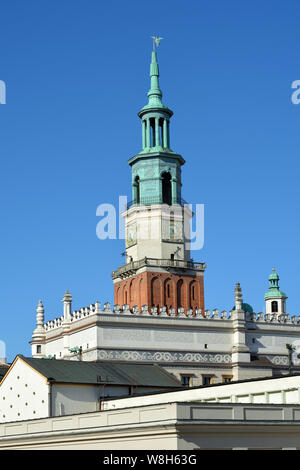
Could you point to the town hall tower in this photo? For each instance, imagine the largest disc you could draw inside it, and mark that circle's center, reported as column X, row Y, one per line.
column 159, row 271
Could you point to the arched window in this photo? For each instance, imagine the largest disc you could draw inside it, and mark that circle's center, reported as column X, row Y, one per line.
column 193, row 297
column 156, row 292
column 274, row 306
column 137, row 189
column 166, row 189
column 180, row 295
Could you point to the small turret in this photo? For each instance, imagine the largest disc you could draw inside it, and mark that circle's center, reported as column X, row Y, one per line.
column 275, row 299
column 67, row 301
column 238, row 297
column 240, row 350
column 238, row 301
column 38, row 342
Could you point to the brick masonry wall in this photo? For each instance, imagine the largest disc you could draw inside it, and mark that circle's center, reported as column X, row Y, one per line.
column 158, row 289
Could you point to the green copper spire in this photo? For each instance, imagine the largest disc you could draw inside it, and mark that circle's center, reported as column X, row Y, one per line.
column 156, row 169
column 155, row 115
column 154, row 94
column 274, row 290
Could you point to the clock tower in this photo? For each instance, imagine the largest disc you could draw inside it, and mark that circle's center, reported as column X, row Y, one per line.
column 159, row 272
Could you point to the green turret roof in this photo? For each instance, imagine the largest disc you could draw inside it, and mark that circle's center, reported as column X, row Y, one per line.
column 273, row 275
column 245, row 307
column 274, row 291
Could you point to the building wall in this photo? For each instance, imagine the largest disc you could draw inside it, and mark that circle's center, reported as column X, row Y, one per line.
column 71, row 398
column 23, row 394
column 148, row 231
column 197, row 374
column 157, row 289
column 172, row 426
column 179, row 342
column 160, row 338
column 55, row 348
column 271, row 339
column 84, row 337
column 285, row 390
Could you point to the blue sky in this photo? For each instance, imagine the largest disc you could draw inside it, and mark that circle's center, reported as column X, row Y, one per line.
column 77, row 73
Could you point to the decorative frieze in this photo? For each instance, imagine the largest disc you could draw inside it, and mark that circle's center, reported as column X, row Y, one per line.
column 279, row 360
column 163, row 356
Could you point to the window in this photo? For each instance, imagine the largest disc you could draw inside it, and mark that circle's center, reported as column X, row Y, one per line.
column 185, row 380
column 206, row 379
column 137, row 186
column 227, row 378
column 38, row 349
column 180, row 293
column 166, row 189
column 274, row 306
column 152, row 130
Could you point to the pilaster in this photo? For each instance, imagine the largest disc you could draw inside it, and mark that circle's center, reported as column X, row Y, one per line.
column 66, row 324
column 240, row 351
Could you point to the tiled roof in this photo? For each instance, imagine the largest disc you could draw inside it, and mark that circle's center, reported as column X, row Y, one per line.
column 113, row 373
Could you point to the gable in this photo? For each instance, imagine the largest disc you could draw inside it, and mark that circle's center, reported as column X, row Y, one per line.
column 23, row 393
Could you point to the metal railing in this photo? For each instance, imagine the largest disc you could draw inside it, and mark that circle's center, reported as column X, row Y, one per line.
column 149, row 201
column 163, row 263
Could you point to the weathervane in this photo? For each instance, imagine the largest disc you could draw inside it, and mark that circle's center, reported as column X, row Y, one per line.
column 156, row 41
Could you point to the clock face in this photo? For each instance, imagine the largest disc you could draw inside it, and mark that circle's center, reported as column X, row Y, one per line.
column 130, row 235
